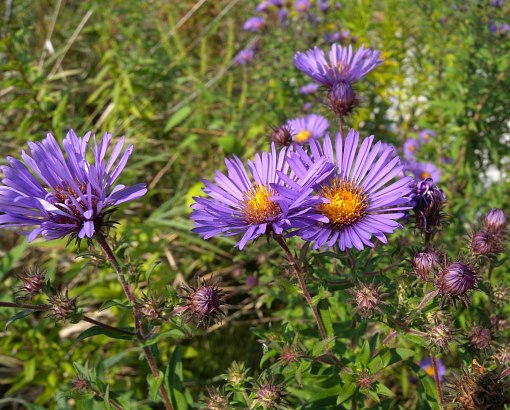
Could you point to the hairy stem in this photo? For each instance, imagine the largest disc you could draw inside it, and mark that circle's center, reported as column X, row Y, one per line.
column 44, row 308
column 302, row 285
column 436, row 380
column 138, row 324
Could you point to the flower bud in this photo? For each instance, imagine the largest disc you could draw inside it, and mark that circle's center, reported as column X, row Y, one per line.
column 455, row 280
column 479, row 337
column 33, row 282
column 425, row 262
column 203, row 305
column 342, row 98
column 62, row 307
column 282, row 135
column 484, row 243
column 237, row 375
column 428, row 202
column 495, row 221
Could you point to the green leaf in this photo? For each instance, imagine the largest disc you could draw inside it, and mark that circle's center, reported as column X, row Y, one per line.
column 348, row 390
column 178, row 117
column 325, row 315
column 96, row 330
column 385, row 391
column 19, row 315
column 174, row 378
column 29, row 370
column 154, row 385
column 115, row 302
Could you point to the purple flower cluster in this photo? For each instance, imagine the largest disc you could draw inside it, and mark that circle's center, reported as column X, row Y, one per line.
column 64, row 193
column 340, row 193
column 420, row 170
column 254, row 24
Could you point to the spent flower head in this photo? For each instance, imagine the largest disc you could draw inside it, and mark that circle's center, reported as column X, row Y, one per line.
column 34, row 281
column 152, row 307
column 486, row 243
column 65, row 194
column 440, row 334
column 203, row 304
column 62, row 307
column 479, row 337
column 367, row 299
column 269, row 395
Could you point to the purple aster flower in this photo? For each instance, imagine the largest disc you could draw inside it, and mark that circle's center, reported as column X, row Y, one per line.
column 426, row 135
column 309, row 88
column 263, row 6
column 307, row 106
column 254, row 24
column 302, row 5
column 410, row 148
column 283, row 15
column 307, row 128
column 424, row 170
column 238, row 204
column 333, row 37
column 426, row 364
column 324, row 5
column 495, row 221
column 358, row 199
column 343, row 64
column 64, row 193
column 504, row 28
column 245, row 56
column 497, row 3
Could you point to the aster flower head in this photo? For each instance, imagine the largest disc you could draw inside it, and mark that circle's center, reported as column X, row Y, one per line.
column 269, row 395
column 367, row 299
column 63, row 194
column 411, row 148
column 424, row 170
column 238, row 204
column 62, row 307
column 309, row 88
column 426, row 135
column 302, row 5
column 324, row 5
column 254, row 24
column 359, row 198
column 343, row 64
column 440, row 335
column 426, row 365
column 304, row 129
column 217, row 400
column 245, row 56
column 455, row 280
column 495, row 221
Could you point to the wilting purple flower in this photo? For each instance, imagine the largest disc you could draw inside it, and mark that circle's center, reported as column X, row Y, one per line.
column 424, row 170
column 302, row 5
column 495, row 221
column 238, row 204
column 358, row 200
column 65, row 194
column 455, row 280
column 410, row 148
column 343, row 64
column 426, row 135
column 426, row 364
column 309, row 88
column 304, row 129
column 254, row 24
column 245, row 56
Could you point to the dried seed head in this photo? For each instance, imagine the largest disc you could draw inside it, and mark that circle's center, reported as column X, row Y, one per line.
column 282, row 135
column 484, row 243
column 478, row 391
column 502, row 356
column 495, row 221
column 151, row 307
column 290, row 354
column 364, row 380
column 217, row 399
column 203, row 304
column 480, row 337
column 455, row 280
column 269, row 396
column 500, row 294
column 367, row 299
column 425, row 262
column 428, row 202
column 33, row 282
column 81, row 385
column 62, row 307
column 440, row 336
column 342, row 98
column 498, row 324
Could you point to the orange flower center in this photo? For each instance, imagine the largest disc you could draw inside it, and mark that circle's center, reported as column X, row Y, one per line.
column 257, row 207
column 347, row 203
column 425, row 175
column 302, row 136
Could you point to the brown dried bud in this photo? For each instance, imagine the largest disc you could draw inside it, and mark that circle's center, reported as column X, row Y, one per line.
column 480, row 337
column 367, row 299
column 151, row 307
column 440, row 336
column 62, row 307
column 33, row 282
